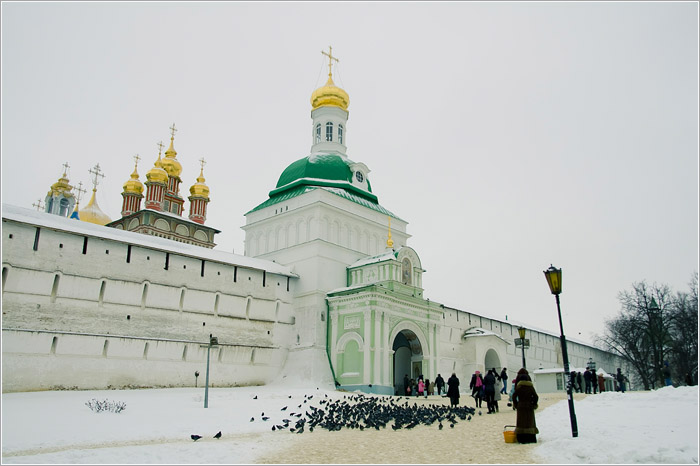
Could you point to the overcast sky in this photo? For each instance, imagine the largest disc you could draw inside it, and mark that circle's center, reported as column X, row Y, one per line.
column 509, row 135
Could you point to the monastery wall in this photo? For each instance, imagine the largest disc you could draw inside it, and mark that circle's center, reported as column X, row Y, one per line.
column 544, row 352
column 90, row 312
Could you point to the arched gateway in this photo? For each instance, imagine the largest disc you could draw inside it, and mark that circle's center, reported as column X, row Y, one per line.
column 408, row 355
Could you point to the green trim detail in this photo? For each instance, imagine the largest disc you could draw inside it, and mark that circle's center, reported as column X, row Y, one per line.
column 299, row 190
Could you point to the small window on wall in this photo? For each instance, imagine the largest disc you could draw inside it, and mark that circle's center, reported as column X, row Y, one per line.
column 340, row 134
column 560, row 382
column 318, row 133
column 329, row 131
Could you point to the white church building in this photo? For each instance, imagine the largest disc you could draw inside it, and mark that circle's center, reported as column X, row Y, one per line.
column 328, row 290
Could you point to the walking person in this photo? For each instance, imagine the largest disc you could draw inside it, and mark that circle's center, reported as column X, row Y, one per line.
column 421, row 387
column 579, row 381
column 594, row 382
column 439, row 383
column 620, row 380
column 504, row 380
column 572, row 380
column 667, row 374
column 587, row 378
column 490, row 390
column 453, row 389
column 476, row 386
column 406, row 385
column 497, row 395
column 601, row 383
column 525, row 402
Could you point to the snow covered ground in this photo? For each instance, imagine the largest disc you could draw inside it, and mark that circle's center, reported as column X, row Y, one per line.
column 57, row 427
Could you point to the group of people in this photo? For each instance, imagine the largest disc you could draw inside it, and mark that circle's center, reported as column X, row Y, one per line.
column 424, row 388
column 591, row 383
column 489, row 388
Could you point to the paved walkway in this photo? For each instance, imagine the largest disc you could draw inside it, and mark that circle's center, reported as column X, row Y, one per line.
column 477, row 441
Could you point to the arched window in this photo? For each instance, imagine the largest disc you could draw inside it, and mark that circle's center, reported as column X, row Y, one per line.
column 329, row 131
column 63, row 207
column 340, row 134
column 406, row 269
column 318, row 133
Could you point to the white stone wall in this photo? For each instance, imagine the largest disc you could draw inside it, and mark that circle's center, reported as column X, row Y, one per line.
column 57, row 288
column 36, row 360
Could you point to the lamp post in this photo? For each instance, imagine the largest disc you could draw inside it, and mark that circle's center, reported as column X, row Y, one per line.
column 213, row 341
column 521, row 332
column 553, row 276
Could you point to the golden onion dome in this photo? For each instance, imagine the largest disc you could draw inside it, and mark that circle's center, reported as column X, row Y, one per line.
column 330, row 96
column 92, row 213
column 157, row 174
column 133, row 185
column 170, row 163
column 199, row 188
column 61, row 187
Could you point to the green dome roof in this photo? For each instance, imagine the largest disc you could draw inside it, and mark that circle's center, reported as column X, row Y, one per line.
column 328, row 170
column 319, row 167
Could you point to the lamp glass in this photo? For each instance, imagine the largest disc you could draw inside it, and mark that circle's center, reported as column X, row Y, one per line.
column 553, row 276
column 521, row 332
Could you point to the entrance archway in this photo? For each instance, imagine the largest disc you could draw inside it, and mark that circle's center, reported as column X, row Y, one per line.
column 491, row 361
column 408, row 359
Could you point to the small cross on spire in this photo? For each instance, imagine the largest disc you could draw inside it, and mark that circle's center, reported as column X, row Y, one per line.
column 160, row 147
column 202, row 163
column 172, row 131
column 38, row 205
column 65, row 168
column 330, row 59
column 79, row 192
column 97, row 172
column 137, row 158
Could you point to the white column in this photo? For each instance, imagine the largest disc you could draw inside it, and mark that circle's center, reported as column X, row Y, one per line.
column 376, row 378
column 334, row 338
column 367, row 336
column 387, row 351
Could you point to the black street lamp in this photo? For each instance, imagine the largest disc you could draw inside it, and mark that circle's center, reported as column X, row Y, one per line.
column 521, row 332
column 213, row 341
column 553, row 276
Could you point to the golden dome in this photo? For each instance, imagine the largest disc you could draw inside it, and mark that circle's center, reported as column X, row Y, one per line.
column 199, row 188
column 170, row 163
column 330, row 96
column 61, row 187
column 133, row 185
column 157, row 174
column 92, row 213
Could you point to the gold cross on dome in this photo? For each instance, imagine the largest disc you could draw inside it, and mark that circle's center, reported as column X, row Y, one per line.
column 137, row 157
column 96, row 171
column 37, row 205
column 202, row 163
column 172, row 131
column 160, row 147
column 65, row 168
column 330, row 59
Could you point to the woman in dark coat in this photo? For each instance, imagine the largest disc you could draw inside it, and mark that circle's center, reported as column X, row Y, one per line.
column 490, row 391
column 453, row 389
column 525, row 401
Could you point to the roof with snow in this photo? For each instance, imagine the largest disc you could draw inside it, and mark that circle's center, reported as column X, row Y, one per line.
column 482, row 332
column 386, row 255
column 58, row 223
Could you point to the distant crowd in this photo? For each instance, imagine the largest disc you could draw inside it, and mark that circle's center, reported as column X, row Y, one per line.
column 590, row 383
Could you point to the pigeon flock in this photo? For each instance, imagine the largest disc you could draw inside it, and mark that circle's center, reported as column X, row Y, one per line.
column 364, row 412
